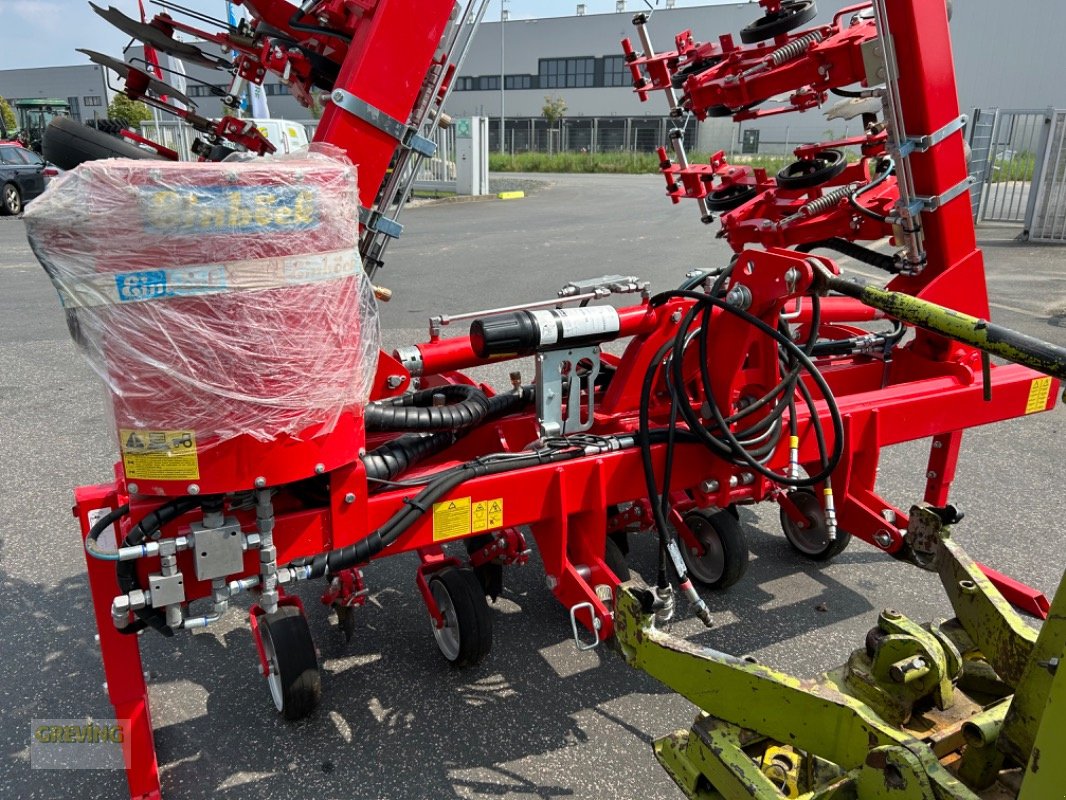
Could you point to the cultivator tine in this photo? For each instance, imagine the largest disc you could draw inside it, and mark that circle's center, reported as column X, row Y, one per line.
column 136, row 77
column 160, row 39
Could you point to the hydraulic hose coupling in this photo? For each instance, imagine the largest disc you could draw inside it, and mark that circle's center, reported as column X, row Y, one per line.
column 700, row 607
column 793, row 458
column 830, row 512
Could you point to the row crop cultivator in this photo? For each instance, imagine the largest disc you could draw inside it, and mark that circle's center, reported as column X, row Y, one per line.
column 266, row 442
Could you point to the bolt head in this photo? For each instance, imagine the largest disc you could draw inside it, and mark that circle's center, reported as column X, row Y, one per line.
column 132, row 488
column 551, row 582
column 193, row 489
column 320, row 469
column 260, row 482
column 349, row 498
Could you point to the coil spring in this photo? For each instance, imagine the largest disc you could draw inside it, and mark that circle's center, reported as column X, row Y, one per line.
column 826, row 201
column 796, row 48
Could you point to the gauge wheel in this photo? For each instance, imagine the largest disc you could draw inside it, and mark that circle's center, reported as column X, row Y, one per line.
column 810, row 172
column 721, row 557
column 812, row 541
column 682, row 75
column 466, row 637
column 10, row 200
column 731, row 198
column 792, row 15
column 293, row 677
column 615, row 560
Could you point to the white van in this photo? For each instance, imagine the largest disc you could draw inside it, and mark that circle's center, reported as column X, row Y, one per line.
column 286, row 136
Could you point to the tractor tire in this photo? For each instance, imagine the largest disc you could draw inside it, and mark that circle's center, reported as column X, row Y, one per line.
column 68, row 143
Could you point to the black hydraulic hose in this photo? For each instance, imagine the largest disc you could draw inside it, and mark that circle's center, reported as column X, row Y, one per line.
column 126, row 571
column 102, row 525
column 467, row 407
column 397, row 456
column 296, row 25
column 852, row 250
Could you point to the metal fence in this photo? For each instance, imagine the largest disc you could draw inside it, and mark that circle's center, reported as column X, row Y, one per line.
column 586, row 135
column 1046, row 221
column 1007, row 146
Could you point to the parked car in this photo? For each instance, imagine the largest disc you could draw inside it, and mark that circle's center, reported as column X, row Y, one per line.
column 23, row 176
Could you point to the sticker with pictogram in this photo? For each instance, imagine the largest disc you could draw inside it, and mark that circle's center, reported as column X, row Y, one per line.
column 487, row 515
column 451, row 519
column 159, row 455
column 1039, row 393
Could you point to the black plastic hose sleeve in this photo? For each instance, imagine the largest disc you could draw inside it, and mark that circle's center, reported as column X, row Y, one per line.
column 466, row 407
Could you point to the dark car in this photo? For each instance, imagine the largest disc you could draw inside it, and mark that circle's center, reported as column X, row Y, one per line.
column 23, row 176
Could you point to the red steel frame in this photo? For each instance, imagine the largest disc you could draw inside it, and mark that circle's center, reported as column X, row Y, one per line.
column 931, row 388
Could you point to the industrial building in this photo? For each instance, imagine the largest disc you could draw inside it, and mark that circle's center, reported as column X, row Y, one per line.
column 578, row 60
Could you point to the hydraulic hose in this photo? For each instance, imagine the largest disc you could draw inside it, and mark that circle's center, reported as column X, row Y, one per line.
column 467, row 406
column 853, row 250
column 99, row 527
column 396, row 457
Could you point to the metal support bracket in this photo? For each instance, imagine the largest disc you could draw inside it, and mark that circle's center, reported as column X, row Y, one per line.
column 378, row 223
column 920, row 204
column 920, row 144
column 404, row 134
column 571, row 371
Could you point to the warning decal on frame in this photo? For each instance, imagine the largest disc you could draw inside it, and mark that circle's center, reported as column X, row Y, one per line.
column 451, row 519
column 487, row 515
column 159, row 455
column 1038, row 396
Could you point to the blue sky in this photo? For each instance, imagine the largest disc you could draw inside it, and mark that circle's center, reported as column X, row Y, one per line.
column 44, row 33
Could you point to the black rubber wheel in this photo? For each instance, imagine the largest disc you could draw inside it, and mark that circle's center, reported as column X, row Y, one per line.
column 616, row 560
column 722, row 557
column 68, row 143
column 10, row 200
column 813, row 541
column 682, row 75
column 112, row 127
column 294, row 680
column 792, row 15
column 466, row 637
column 731, row 198
column 810, row 172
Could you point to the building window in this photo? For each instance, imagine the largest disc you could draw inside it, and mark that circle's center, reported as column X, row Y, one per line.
column 518, row 82
column 92, row 100
column 616, row 72
column 567, row 73
column 489, row 83
column 464, row 84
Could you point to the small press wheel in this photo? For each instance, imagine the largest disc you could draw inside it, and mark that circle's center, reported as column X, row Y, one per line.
column 812, row 541
column 792, row 15
column 293, row 677
column 721, row 557
column 466, row 637
column 730, row 198
column 810, row 172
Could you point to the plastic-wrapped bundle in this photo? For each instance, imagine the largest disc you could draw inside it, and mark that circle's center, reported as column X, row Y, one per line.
column 225, row 307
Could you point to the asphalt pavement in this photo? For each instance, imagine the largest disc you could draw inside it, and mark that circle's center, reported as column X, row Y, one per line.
column 536, row 719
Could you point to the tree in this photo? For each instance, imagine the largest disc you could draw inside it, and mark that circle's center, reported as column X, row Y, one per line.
column 129, row 113
column 9, row 116
column 554, row 110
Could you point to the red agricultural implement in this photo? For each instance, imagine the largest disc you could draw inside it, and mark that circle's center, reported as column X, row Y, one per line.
column 265, row 441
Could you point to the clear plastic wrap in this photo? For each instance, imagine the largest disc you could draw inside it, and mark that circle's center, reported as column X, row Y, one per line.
column 218, row 298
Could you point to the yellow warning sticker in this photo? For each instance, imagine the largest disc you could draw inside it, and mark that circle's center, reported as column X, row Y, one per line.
column 159, row 455
column 487, row 515
column 1038, row 396
column 451, row 519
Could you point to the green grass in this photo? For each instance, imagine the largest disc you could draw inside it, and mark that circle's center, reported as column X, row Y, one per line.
column 617, row 163
column 1020, row 167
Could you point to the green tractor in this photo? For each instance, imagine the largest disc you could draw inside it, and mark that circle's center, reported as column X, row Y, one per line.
column 34, row 114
